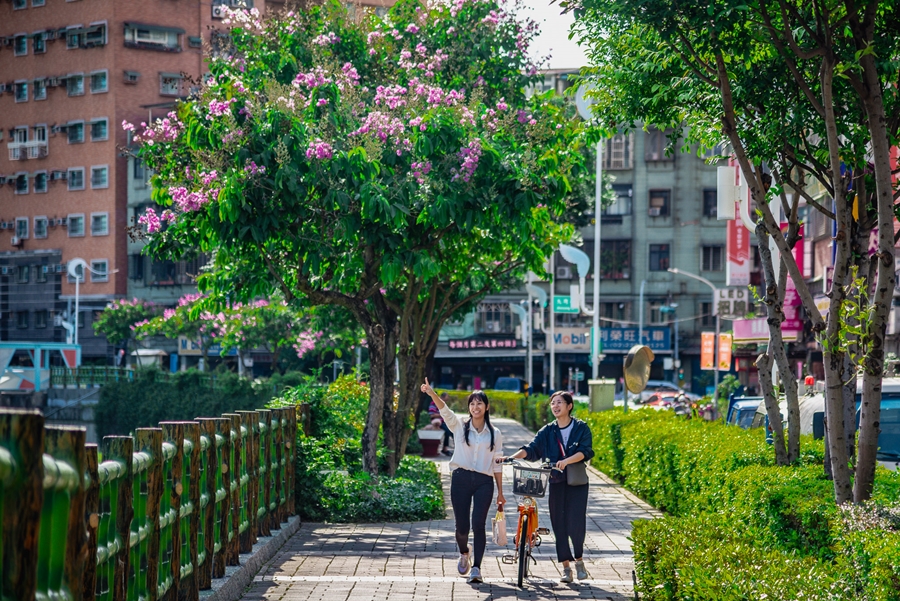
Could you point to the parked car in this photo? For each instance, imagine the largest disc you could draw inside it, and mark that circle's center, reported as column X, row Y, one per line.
column 812, row 412
column 742, row 410
column 659, row 386
column 509, row 384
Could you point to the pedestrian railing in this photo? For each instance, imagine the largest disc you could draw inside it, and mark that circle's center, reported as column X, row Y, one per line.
column 161, row 515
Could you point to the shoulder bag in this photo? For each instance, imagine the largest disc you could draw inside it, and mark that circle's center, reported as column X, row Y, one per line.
column 576, row 473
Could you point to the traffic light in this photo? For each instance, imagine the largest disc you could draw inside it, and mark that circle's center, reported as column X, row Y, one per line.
column 681, row 375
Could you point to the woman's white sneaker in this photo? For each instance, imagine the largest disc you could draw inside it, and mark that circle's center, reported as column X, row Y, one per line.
column 580, row 571
column 475, row 576
column 567, row 576
column 463, row 565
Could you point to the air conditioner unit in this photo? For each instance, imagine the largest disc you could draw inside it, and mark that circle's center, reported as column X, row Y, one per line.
column 654, row 211
column 58, row 175
column 63, row 221
column 218, row 11
column 5, row 270
column 15, row 241
column 564, row 273
column 59, row 268
column 45, row 268
column 3, row 225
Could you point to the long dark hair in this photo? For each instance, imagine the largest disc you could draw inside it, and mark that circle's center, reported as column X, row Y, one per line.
column 478, row 395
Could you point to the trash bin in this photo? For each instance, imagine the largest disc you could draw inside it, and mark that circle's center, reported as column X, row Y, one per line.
column 602, row 394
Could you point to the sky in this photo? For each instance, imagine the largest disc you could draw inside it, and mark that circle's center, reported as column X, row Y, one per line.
column 554, row 37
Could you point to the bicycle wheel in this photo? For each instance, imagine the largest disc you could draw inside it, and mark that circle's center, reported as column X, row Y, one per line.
column 523, row 550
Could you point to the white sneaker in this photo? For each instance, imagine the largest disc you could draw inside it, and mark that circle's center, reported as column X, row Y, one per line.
column 567, row 576
column 463, row 565
column 475, row 576
column 580, row 571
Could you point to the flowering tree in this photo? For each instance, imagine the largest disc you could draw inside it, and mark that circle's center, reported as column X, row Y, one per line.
column 189, row 319
column 117, row 321
column 394, row 167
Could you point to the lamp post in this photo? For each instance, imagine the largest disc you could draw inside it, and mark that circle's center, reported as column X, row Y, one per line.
column 715, row 311
column 75, row 268
column 676, row 363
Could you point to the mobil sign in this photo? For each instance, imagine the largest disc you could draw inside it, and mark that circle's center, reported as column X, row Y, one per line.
column 572, row 339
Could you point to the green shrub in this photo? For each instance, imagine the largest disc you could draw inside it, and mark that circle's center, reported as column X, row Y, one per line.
column 154, row 396
column 532, row 411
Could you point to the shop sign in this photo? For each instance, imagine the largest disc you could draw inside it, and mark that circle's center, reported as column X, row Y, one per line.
column 493, row 343
column 732, row 303
column 707, row 350
column 572, row 339
column 724, row 352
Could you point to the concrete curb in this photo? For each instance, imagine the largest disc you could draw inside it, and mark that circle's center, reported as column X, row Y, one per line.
column 238, row 578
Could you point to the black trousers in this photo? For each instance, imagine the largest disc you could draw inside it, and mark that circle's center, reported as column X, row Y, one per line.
column 568, row 516
column 471, row 491
column 448, row 434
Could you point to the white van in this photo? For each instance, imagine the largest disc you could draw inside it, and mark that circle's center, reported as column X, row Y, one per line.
column 812, row 411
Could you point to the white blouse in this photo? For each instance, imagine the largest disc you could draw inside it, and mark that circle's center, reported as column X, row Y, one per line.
column 477, row 455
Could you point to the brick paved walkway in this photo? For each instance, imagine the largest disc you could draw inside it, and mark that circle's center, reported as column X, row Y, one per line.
column 417, row 561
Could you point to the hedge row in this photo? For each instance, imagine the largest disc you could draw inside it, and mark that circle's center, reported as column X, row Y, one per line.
column 532, row 411
column 740, row 527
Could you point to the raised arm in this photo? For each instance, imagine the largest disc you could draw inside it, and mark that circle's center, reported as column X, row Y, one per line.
column 449, row 417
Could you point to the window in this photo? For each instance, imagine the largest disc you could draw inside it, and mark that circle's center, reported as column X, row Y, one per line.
column 40, row 227
column 712, row 258
column 40, row 89
column 22, row 320
column 40, row 273
column 494, row 318
column 20, row 45
column 195, row 41
column 38, row 42
column 75, row 132
column 76, row 182
column 74, row 36
column 619, row 152
column 99, row 130
column 99, row 224
column 615, row 311
column 22, row 183
column 20, row 4
column 100, row 177
column 40, row 133
column 99, row 271
column 710, row 202
column 23, row 273
column 622, row 204
column 40, row 318
column 21, row 227
column 707, row 319
column 40, row 184
column 21, row 89
column 37, row 2
column 169, row 84
column 149, row 37
column 95, row 35
column 20, row 135
column 716, row 151
column 75, row 84
column 655, row 145
column 138, row 168
column 76, row 225
column 99, row 82
column 659, row 203
column 131, row 77
column 659, row 257
column 615, row 257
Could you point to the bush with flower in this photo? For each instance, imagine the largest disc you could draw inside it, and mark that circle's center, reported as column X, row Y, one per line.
column 392, row 166
column 120, row 318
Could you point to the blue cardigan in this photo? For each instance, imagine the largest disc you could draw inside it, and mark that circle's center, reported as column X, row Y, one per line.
column 546, row 443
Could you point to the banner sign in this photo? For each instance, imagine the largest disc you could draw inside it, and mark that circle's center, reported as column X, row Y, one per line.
column 724, row 352
column 792, row 324
column 620, row 340
column 572, row 339
column 737, row 267
column 707, row 350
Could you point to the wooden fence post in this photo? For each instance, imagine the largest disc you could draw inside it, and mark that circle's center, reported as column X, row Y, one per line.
column 189, row 589
column 121, row 450
column 92, row 520
column 66, row 444
column 174, row 492
column 22, row 434
column 149, row 443
column 306, row 418
column 250, row 421
column 290, row 445
column 215, row 517
column 278, row 477
column 209, row 467
column 238, row 471
column 265, row 471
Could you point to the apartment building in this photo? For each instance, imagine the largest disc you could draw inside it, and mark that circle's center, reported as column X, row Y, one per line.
column 70, row 73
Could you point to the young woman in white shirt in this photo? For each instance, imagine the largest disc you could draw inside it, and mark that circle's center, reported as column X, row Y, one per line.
column 474, row 472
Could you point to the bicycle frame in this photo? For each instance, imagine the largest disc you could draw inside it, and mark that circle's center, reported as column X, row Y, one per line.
column 527, row 507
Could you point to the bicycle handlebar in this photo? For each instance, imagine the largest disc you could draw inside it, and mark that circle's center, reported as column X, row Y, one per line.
column 545, row 465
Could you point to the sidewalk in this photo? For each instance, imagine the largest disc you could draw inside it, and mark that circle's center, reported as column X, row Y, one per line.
column 417, row 561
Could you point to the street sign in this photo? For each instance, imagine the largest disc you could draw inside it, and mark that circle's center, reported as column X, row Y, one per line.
column 579, row 376
column 563, row 304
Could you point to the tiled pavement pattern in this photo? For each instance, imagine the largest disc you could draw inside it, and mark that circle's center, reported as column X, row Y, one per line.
column 417, row 561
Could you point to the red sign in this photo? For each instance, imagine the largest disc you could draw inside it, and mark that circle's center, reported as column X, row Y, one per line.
column 792, row 325
column 724, row 352
column 737, row 239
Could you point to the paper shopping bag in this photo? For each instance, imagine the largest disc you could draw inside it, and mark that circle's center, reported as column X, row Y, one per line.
column 499, row 523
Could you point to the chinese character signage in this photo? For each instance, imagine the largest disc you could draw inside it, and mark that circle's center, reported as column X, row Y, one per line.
column 732, row 303
column 792, row 324
column 563, row 304
column 493, row 343
column 724, row 352
column 620, row 340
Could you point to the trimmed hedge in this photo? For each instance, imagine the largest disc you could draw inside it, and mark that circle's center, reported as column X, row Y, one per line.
column 739, row 526
column 532, row 411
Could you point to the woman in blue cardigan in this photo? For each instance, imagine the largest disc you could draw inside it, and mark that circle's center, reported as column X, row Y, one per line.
column 564, row 442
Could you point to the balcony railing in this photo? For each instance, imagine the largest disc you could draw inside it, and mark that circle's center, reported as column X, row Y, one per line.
column 27, row 150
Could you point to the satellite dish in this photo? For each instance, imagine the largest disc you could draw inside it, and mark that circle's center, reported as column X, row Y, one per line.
column 582, row 103
column 637, row 368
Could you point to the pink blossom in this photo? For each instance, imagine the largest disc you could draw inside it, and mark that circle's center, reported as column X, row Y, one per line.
column 188, row 299
column 127, row 126
column 253, row 169
column 319, row 150
column 469, row 156
column 151, row 220
column 326, row 39
column 420, row 170
column 218, row 108
column 412, row 28
column 168, row 314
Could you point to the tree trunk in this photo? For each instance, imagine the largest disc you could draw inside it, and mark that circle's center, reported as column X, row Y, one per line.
column 873, row 366
column 379, row 386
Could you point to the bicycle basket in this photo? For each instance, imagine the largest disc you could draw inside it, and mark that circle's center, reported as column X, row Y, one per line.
column 529, row 481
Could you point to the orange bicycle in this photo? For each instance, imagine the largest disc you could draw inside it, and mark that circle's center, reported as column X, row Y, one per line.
column 529, row 483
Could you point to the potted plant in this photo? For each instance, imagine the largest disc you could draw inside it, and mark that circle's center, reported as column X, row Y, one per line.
column 430, row 435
